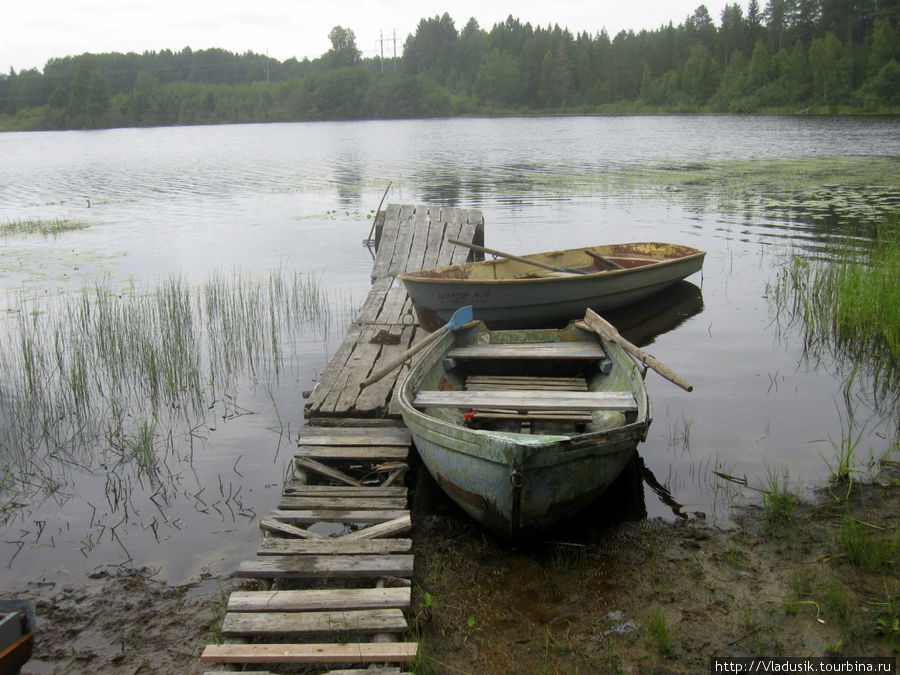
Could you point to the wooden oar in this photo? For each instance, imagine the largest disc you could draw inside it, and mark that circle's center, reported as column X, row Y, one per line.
column 510, row 256
column 605, row 261
column 460, row 318
column 605, row 329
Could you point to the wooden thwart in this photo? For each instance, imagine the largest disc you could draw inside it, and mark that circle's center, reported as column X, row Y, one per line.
column 528, row 400
column 532, row 350
column 495, row 382
column 535, row 415
column 364, row 652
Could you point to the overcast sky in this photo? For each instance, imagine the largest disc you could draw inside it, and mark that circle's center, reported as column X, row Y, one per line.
column 31, row 32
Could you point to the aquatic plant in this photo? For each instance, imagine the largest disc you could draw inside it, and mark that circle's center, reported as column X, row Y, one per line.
column 111, row 376
column 848, row 306
column 45, row 228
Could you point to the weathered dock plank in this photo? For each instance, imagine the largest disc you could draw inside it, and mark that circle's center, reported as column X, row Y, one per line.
column 332, row 546
column 377, row 435
column 334, row 566
column 318, row 600
column 310, row 516
column 283, row 624
column 358, row 652
column 363, row 453
column 340, row 491
column 347, row 503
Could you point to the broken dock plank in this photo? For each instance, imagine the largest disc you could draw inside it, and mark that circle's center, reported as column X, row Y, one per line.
column 275, row 525
column 386, row 529
column 326, row 471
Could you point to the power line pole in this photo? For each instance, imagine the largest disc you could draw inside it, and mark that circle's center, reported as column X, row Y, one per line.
column 381, row 41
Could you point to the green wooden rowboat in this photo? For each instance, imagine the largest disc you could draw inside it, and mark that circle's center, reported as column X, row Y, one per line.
column 523, row 428
column 550, row 288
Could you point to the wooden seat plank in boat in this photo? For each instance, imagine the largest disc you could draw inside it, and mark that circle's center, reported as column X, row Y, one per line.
column 500, row 382
column 528, row 400
column 530, row 350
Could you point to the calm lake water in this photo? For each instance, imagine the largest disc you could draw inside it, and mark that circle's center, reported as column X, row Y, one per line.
column 194, row 202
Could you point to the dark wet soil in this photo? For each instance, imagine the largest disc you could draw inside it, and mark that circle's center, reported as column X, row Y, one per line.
column 629, row 597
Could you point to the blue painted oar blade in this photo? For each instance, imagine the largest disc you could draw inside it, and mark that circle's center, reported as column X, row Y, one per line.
column 460, row 318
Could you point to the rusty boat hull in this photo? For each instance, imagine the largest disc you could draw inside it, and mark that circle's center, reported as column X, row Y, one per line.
column 508, row 293
column 520, row 472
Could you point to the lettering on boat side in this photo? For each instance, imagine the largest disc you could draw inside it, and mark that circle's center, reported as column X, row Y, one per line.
column 463, row 297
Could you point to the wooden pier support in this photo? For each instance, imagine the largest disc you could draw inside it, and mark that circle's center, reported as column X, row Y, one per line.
column 333, row 556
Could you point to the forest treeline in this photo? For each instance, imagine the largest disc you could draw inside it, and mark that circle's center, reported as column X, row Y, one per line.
column 818, row 56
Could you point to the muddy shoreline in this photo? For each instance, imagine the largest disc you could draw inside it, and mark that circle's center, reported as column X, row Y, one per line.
column 629, row 597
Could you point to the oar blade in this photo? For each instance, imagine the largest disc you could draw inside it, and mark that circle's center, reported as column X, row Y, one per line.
column 460, row 318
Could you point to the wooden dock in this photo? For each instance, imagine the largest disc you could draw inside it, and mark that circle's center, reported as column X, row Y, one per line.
column 335, row 570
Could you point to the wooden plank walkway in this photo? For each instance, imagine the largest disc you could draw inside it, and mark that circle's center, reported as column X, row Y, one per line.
column 334, row 565
column 409, row 239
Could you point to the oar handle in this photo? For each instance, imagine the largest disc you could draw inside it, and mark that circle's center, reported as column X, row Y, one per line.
column 510, row 256
column 605, row 329
column 401, row 359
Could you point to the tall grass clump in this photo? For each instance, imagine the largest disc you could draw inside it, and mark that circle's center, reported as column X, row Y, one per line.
column 778, row 499
column 870, row 548
column 849, row 305
column 109, row 377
